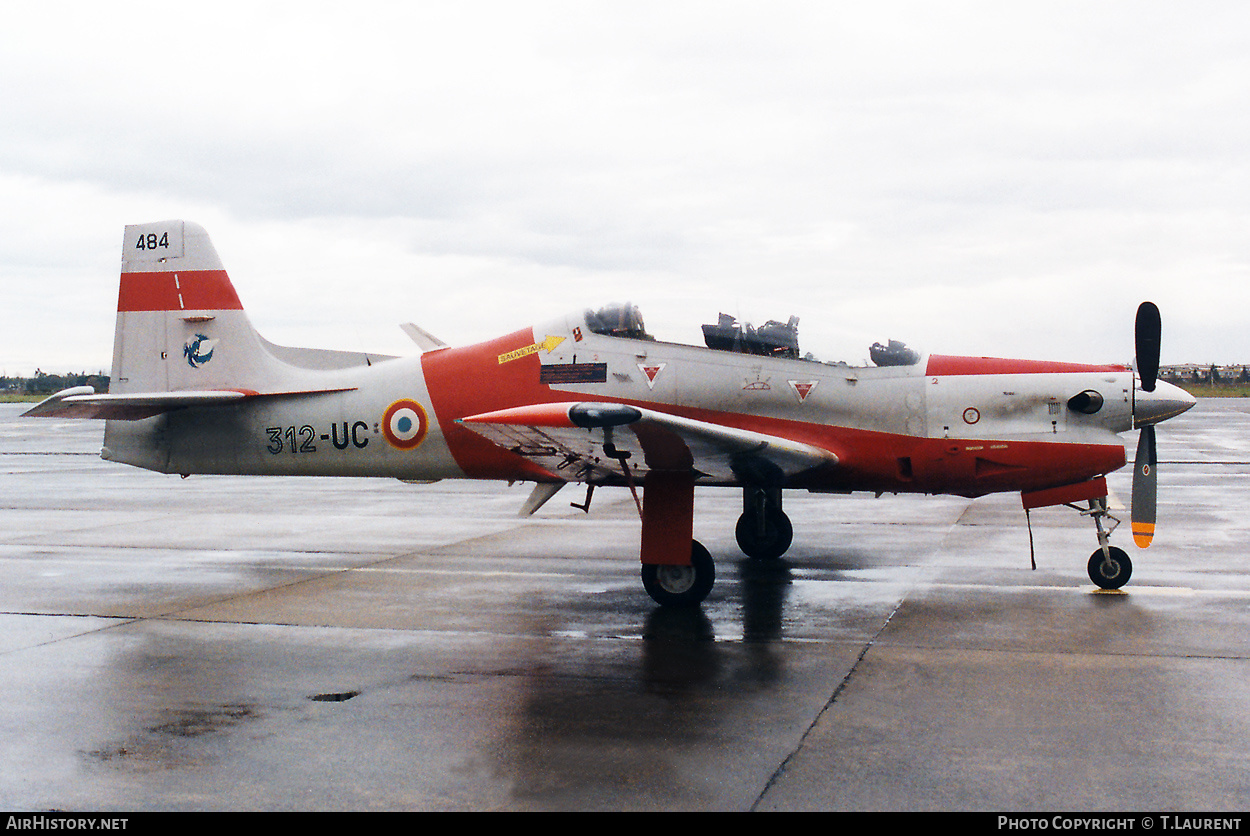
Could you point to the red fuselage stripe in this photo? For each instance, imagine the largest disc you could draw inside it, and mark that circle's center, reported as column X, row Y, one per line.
column 184, row 290
column 940, row 365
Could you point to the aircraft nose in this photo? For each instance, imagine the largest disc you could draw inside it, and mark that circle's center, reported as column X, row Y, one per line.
column 1166, row 401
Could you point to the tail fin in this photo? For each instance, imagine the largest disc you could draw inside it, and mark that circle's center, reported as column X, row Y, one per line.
column 180, row 325
column 183, row 340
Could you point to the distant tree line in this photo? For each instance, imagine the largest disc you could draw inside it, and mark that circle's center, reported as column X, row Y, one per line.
column 1212, row 375
column 46, row 384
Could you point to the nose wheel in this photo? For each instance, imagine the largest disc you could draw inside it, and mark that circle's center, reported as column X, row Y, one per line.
column 1110, row 570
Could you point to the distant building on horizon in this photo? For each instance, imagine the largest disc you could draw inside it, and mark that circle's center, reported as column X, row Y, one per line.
column 1205, row 373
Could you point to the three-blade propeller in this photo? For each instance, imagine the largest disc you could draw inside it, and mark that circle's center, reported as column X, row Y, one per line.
column 1145, row 478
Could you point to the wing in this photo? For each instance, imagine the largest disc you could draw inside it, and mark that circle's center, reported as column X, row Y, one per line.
column 83, row 402
column 596, row 442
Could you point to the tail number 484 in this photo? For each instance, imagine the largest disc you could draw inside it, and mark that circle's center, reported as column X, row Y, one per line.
column 152, row 241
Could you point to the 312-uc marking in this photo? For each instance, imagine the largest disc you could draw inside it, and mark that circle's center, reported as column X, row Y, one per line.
column 302, row 439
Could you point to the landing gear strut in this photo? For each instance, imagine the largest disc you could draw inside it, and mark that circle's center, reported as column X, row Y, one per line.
column 764, row 531
column 1109, row 567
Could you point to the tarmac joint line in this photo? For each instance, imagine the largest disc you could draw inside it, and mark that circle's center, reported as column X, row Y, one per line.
column 846, row 679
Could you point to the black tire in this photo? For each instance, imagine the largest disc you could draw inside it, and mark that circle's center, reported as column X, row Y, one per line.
column 776, row 540
column 1113, row 576
column 681, row 586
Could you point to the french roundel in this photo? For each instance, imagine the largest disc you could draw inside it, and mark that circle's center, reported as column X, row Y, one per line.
column 404, row 424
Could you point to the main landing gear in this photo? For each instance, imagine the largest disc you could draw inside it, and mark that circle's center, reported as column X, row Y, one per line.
column 674, row 578
column 763, row 531
column 677, row 571
column 681, row 586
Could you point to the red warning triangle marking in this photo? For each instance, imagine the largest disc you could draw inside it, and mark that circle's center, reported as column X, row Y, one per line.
column 803, row 388
column 651, row 372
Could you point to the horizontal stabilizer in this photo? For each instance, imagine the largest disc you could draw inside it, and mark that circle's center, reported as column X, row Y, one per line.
column 423, row 338
column 83, row 402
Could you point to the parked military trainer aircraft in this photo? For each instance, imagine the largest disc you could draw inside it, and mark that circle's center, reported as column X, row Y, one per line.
column 593, row 398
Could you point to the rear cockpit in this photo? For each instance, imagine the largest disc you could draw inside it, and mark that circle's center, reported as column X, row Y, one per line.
column 894, row 353
column 772, row 339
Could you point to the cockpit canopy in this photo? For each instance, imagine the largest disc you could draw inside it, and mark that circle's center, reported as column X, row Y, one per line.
column 893, row 354
column 772, row 339
column 616, row 320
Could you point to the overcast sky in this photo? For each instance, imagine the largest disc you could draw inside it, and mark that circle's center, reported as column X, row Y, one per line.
column 994, row 178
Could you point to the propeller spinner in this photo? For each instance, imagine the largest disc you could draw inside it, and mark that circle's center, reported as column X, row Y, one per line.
column 1153, row 403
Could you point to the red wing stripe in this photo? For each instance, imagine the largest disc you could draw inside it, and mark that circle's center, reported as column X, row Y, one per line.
column 184, row 290
column 534, row 415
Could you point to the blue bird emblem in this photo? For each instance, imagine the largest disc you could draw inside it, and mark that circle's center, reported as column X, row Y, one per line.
column 199, row 350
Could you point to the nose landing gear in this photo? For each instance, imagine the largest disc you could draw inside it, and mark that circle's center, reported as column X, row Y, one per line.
column 1109, row 566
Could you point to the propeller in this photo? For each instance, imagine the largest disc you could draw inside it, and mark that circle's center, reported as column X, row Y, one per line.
column 1145, row 476
column 1145, row 488
column 1146, row 337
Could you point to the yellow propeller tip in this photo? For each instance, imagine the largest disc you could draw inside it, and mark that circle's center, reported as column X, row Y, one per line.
column 1143, row 533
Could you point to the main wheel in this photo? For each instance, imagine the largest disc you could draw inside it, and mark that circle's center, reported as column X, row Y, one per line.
column 768, row 544
column 1111, row 575
column 681, row 586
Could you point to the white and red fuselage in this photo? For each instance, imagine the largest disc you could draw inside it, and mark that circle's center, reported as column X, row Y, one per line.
column 960, row 425
column 195, row 389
